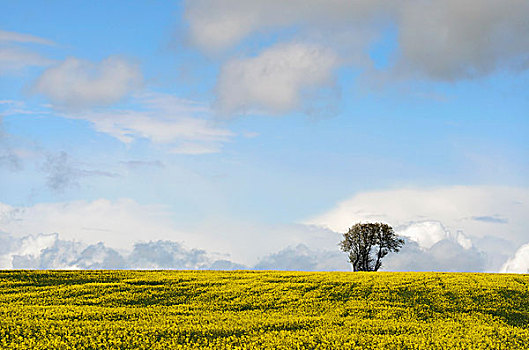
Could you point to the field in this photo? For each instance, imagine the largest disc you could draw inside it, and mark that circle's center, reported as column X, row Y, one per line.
column 252, row 310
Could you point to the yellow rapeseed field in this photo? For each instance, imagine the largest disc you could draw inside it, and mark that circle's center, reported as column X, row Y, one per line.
column 253, row 310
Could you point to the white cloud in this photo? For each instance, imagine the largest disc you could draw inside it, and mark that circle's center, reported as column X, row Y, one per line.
column 218, row 25
column 172, row 255
column 14, row 56
column 428, row 233
column 48, row 251
column 425, row 233
column 440, row 40
column 127, row 125
column 276, row 79
column 195, row 148
column 120, row 224
column 140, row 164
column 444, row 229
column 450, row 214
column 445, row 255
column 77, row 84
column 180, row 126
column 302, row 258
column 519, row 263
column 183, row 125
column 456, row 207
column 10, row 37
column 14, row 59
column 28, row 246
column 453, row 39
column 117, row 223
column 14, row 107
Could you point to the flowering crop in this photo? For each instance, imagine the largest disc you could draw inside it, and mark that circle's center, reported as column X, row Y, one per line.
column 251, row 310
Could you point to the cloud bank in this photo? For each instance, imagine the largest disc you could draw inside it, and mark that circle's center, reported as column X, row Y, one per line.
column 48, row 251
column 444, row 231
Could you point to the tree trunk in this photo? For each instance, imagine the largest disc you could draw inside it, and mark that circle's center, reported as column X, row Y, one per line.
column 379, row 257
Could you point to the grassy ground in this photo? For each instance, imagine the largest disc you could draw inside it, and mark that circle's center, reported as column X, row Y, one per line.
column 249, row 309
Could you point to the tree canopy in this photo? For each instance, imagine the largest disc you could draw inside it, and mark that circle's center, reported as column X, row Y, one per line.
column 367, row 243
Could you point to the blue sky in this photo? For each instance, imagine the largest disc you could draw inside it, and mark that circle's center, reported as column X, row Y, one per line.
column 249, row 127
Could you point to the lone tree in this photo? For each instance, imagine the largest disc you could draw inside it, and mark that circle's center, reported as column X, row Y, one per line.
column 368, row 243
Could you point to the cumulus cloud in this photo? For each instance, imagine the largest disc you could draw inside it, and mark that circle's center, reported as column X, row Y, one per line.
column 456, row 39
column 48, row 251
column 430, row 216
column 276, row 79
column 76, row 84
column 519, row 263
column 453, row 206
column 445, row 255
column 439, row 40
column 27, row 246
column 425, row 233
column 428, row 233
column 302, row 258
column 61, row 254
column 172, row 255
column 248, row 242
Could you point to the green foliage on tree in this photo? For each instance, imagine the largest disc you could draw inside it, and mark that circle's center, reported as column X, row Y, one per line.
column 366, row 245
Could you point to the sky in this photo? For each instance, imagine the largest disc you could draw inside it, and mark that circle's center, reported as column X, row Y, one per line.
column 251, row 134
